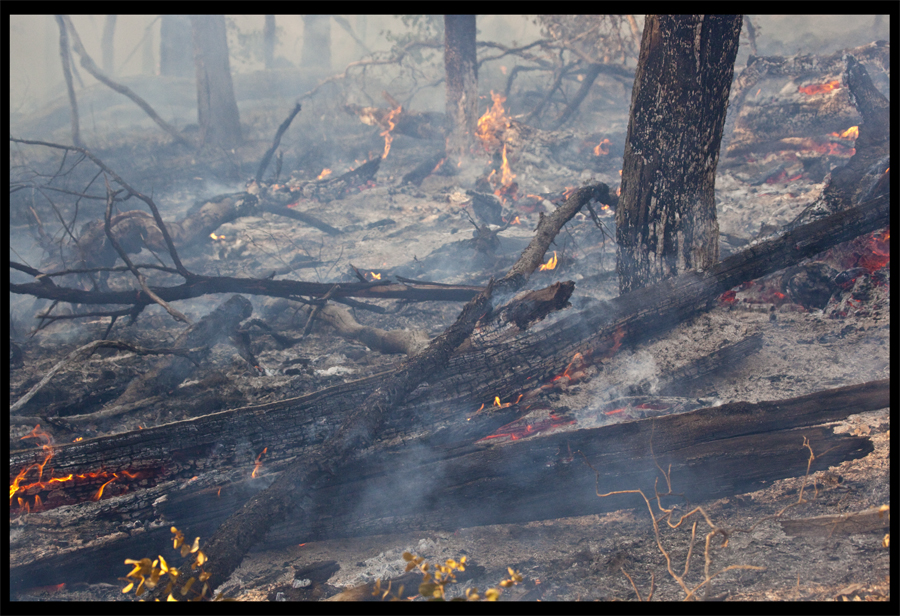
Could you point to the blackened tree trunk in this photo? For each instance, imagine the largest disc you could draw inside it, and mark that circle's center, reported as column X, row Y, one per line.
column 269, row 41
column 666, row 218
column 109, row 30
column 175, row 47
column 220, row 123
column 316, row 41
column 462, row 83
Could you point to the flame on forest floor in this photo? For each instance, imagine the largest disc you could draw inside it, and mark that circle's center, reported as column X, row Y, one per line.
column 820, row 88
column 258, row 464
column 388, row 137
column 550, row 264
column 602, row 148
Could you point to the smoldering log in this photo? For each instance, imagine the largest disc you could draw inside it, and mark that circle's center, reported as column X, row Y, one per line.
column 714, row 452
column 503, row 369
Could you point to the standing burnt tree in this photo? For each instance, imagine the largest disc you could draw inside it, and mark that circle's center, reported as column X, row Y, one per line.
column 666, row 218
column 462, row 83
column 220, row 123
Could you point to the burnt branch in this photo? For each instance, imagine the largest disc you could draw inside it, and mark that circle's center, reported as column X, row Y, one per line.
column 91, row 67
column 276, row 141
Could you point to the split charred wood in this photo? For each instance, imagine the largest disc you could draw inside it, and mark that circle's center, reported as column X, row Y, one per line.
column 752, row 124
column 714, row 452
column 870, row 162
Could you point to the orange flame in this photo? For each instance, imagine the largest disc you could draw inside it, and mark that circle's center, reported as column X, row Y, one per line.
column 602, row 148
column 820, row 88
column 493, row 123
column 375, row 276
column 99, row 493
column 388, row 137
column 258, row 464
column 47, row 446
column 551, row 264
column 515, row 221
column 850, row 133
column 326, row 172
column 507, row 176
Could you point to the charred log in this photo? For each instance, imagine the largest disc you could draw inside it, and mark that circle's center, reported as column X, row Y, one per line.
column 723, row 450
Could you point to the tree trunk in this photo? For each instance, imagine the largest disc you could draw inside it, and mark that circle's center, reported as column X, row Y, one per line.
column 175, row 49
column 67, row 73
column 109, row 30
column 220, row 123
column 316, row 42
column 666, row 218
column 269, row 41
column 462, row 84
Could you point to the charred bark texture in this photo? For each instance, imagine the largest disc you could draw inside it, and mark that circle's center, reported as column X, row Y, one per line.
column 714, row 452
column 220, row 123
column 460, row 63
column 666, row 219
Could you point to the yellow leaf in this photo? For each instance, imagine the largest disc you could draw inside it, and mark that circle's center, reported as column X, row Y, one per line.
column 163, row 564
column 204, row 576
column 506, row 583
column 491, row 594
column 171, row 598
column 127, row 588
column 406, row 556
column 204, row 590
column 187, row 586
column 886, row 542
column 201, row 558
column 196, row 545
column 185, row 549
column 410, row 566
column 426, row 589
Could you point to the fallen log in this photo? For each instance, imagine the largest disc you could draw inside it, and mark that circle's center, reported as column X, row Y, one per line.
column 714, row 452
column 501, row 369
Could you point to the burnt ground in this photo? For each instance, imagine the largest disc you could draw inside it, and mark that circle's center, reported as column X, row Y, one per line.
column 421, row 232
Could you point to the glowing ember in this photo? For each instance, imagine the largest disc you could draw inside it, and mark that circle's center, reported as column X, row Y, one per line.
column 99, row 493
column 551, row 264
column 515, row 221
column 375, row 275
column 602, row 148
column 820, row 88
column 216, row 237
column 258, row 463
column 325, row 173
column 388, row 138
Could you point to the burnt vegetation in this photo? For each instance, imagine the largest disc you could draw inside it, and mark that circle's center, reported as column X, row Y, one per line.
column 280, row 294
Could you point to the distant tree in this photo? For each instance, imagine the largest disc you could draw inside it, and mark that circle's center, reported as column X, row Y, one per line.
column 106, row 44
column 666, row 217
column 460, row 63
column 175, row 46
column 217, row 108
column 316, row 41
column 269, row 41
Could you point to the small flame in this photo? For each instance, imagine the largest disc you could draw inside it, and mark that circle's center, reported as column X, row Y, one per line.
column 551, row 264
column 850, row 133
column 325, row 173
column 820, row 88
column 258, row 463
column 375, row 276
column 515, row 221
column 78, row 439
column 507, row 176
column 99, row 493
column 602, row 148
column 388, row 137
